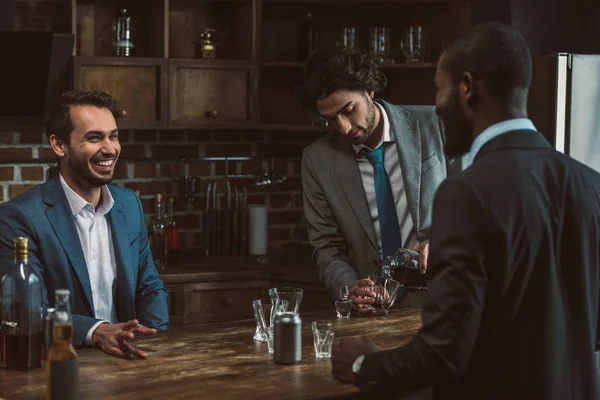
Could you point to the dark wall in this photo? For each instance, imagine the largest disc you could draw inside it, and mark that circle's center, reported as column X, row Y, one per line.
column 7, row 15
column 549, row 26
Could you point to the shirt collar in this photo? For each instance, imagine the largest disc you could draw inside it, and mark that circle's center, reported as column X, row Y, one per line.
column 78, row 204
column 385, row 138
column 493, row 131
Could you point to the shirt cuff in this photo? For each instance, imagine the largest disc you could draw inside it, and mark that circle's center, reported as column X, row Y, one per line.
column 88, row 337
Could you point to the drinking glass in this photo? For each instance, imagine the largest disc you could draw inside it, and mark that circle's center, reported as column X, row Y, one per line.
column 379, row 44
column 386, row 291
column 413, row 44
column 292, row 295
column 349, row 37
column 322, row 338
column 264, row 315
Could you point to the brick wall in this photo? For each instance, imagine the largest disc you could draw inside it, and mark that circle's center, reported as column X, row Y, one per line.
column 152, row 162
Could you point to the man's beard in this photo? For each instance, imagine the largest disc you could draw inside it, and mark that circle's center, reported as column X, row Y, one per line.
column 370, row 125
column 457, row 127
column 83, row 171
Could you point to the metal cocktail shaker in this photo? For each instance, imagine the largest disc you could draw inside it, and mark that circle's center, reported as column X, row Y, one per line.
column 288, row 338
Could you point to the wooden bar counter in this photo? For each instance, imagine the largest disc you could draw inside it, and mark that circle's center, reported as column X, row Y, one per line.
column 218, row 361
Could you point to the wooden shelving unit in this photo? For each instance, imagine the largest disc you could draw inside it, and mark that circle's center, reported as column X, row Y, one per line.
column 250, row 83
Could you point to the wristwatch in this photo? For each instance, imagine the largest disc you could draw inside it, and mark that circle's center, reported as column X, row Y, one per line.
column 357, row 364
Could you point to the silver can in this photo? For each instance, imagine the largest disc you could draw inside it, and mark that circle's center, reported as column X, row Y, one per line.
column 288, row 338
column 48, row 327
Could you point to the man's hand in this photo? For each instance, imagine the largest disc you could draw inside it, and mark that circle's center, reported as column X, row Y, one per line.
column 423, row 248
column 345, row 353
column 361, row 296
column 113, row 339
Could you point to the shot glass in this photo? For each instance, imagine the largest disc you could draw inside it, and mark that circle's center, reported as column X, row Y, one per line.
column 322, row 338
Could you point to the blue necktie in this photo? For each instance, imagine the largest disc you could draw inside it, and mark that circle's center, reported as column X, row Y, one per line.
column 391, row 238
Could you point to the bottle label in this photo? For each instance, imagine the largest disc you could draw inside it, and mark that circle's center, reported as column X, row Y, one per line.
column 64, row 380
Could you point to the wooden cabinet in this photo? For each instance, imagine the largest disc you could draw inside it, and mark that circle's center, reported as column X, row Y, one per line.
column 250, row 82
column 223, row 288
column 209, row 92
column 138, row 84
column 213, row 301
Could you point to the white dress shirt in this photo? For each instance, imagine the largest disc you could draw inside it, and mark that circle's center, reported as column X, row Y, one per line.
column 493, row 131
column 391, row 163
column 96, row 242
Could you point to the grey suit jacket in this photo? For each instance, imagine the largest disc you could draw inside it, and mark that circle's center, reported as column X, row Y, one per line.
column 340, row 228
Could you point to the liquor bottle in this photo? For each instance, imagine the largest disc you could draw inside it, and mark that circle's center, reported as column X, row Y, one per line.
column 21, row 328
column 172, row 235
column 62, row 368
column 403, row 267
column 308, row 38
column 158, row 242
column 343, row 305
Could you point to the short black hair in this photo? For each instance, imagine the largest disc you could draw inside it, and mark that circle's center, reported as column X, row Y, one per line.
column 58, row 118
column 496, row 54
column 342, row 68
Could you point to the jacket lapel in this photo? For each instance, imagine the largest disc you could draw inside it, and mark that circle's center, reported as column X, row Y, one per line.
column 63, row 223
column 125, row 272
column 346, row 169
column 408, row 143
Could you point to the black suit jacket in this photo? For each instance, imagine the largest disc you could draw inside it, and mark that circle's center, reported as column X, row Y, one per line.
column 514, row 282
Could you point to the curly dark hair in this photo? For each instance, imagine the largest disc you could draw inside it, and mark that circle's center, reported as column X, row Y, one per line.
column 58, row 118
column 343, row 68
column 496, row 54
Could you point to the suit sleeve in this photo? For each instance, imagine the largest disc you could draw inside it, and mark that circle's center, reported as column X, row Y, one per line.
column 14, row 222
column 329, row 245
column 151, row 296
column 457, row 286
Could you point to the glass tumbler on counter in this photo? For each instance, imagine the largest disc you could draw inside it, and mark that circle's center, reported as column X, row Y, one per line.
column 264, row 315
column 386, row 291
column 322, row 338
column 343, row 305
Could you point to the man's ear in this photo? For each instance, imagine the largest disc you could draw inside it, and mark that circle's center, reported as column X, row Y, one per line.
column 370, row 93
column 467, row 90
column 59, row 148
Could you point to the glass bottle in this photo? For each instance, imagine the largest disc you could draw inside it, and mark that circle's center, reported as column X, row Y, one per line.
column 343, row 305
column 401, row 265
column 172, row 235
column 21, row 329
column 308, row 38
column 62, row 368
column 158, row 243
column 122, row 34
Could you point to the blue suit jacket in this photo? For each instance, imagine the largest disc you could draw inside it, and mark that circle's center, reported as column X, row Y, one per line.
column 43, row 215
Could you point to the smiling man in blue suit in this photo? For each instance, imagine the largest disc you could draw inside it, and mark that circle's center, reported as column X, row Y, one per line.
column 88, row 236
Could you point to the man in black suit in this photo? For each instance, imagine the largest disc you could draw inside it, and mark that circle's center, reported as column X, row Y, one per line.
column 514, row 265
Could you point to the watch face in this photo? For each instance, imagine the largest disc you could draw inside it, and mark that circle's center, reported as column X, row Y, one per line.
column 357, row 363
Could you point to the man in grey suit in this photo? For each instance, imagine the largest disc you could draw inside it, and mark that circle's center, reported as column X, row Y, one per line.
column 345, row 195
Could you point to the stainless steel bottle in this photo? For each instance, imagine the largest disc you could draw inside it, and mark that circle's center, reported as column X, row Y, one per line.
column 288, row 338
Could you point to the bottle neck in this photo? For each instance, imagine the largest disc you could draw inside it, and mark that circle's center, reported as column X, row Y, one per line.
column 19, row 259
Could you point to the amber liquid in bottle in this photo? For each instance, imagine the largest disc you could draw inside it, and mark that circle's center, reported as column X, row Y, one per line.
column 62, row 368
column 21, row 336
